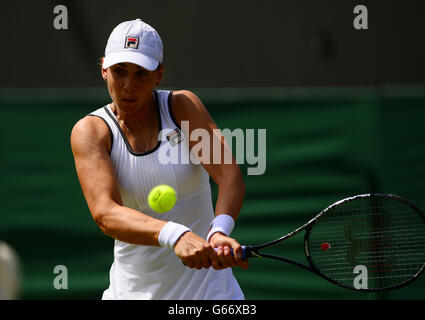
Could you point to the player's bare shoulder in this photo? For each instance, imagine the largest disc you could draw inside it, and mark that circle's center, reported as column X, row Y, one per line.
column 90, row 132
column 187, row 104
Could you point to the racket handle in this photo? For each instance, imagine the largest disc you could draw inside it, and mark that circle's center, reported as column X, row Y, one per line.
column 244, row 252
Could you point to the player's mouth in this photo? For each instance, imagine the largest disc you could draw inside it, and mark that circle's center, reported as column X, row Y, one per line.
column 128, row 100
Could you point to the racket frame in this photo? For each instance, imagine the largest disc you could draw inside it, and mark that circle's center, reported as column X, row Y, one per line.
column 254, row 251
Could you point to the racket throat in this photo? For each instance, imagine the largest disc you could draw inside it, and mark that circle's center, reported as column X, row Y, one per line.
column 254, row 254
column 249, row 252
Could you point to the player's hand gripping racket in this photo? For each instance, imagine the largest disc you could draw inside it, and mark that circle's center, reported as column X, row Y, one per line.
column 368, row 242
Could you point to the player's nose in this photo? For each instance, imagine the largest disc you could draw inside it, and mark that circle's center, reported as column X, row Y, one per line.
column 128, row 84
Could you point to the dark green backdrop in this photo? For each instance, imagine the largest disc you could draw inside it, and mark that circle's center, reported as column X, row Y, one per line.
column 323, row 144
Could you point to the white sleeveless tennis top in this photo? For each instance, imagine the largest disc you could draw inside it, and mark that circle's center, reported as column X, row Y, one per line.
column 148, row 272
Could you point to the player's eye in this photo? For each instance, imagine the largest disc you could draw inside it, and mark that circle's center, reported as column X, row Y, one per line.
column 118, row 71
column 142, row 73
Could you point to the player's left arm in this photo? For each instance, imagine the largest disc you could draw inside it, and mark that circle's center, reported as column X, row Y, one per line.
column 216, row 157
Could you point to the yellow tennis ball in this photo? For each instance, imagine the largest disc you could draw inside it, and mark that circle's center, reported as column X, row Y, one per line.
column 162, row 198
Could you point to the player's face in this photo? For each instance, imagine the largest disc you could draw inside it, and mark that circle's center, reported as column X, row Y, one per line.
column 130, row 85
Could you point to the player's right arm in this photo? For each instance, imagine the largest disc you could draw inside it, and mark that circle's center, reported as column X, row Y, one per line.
column 91, row 143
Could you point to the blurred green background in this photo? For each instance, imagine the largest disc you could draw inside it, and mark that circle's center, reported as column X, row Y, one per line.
column 323, row 144
column 343, row 109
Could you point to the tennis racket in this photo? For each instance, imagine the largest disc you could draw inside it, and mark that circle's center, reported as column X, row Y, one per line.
column 369, row 242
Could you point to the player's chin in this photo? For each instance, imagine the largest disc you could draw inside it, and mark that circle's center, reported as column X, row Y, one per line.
column 244, row 264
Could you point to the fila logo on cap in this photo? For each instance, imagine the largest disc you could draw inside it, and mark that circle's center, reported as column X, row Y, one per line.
column 131, row 42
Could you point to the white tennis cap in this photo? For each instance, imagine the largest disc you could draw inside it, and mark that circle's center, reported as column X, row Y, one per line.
column 136, row 42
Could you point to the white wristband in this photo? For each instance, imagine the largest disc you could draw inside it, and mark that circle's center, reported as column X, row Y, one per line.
column 170, row 233
column 222, row 223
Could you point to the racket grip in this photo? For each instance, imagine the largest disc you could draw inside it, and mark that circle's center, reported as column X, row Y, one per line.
column 244, row 252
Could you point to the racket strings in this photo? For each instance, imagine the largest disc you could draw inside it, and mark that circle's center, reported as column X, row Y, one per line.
column 383, row 235
column 384, row 238
column 341, row 255
column 335, row 262
column 412, row 232
column 371, row 218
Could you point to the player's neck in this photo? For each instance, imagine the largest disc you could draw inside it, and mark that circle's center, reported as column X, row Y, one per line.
column 136, row 117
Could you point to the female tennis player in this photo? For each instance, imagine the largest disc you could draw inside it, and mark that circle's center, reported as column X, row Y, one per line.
column 120, row 151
